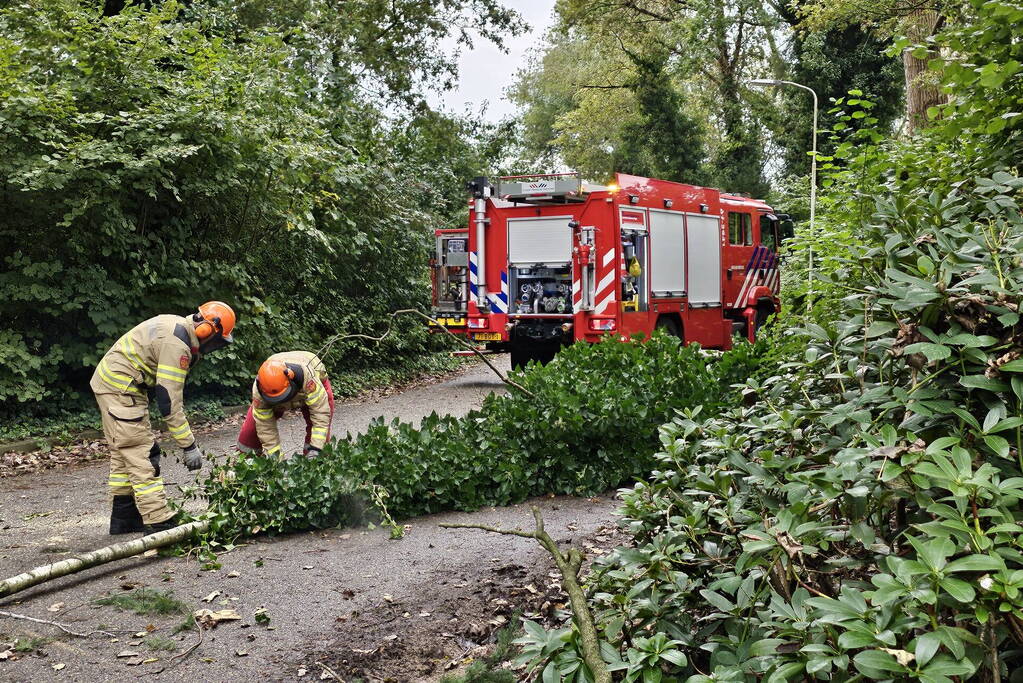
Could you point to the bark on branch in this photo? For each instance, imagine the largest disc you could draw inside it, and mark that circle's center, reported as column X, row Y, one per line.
column 569, row 565
column 94, row 558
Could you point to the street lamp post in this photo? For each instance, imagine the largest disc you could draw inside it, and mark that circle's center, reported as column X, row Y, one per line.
column 764, row 82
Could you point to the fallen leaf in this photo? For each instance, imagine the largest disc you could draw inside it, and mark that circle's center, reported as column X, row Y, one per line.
column 209, row 598
column 391, row 637
column 302, row 672
column 532, row 589
column 241, row 653
column 142, row 634
column 325, row 675
column 6, row 654
column 498, row 620
column 150, row 660
column 387, row 597
column 134, row 643
column 58, row 667
column 232, row 575
column 424, row 614
column 127, row 653
column 209, row 619
column 308, row 566
column 901, row 656
column 55, row 607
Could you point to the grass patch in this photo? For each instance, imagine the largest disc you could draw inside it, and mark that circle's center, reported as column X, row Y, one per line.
column 160, row 643
column 29, row 643
column 146, row 601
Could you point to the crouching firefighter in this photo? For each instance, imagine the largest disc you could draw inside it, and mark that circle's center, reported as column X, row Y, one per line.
column 293, row 379
column 157, row 354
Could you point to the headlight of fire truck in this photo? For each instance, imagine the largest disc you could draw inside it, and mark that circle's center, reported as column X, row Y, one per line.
column 602, row 324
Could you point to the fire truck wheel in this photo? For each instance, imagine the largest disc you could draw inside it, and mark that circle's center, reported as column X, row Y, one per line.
column 520, row 355
column 763, row 313
column 669, row 326
column 545, row 354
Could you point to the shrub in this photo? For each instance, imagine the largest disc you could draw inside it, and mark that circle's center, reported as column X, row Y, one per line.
column 589, row 425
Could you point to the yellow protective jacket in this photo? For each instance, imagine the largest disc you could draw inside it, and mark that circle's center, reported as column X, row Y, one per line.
column 312, row 395
column 156, row 353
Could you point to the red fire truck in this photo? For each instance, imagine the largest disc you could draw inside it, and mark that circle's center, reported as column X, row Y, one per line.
column 553, row 260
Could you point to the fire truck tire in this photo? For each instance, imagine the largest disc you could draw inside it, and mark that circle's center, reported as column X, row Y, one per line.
column 669, row 325
column 521, row 354
column 545, row 354
column 763, row 314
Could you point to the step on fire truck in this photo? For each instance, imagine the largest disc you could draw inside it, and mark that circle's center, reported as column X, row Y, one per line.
column 553, row 260
column 449, row 272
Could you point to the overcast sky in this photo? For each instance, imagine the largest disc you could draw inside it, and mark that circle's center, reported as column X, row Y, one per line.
column 484, row 72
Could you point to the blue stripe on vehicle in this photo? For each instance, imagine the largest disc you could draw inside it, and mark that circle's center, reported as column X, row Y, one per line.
column 754, row 260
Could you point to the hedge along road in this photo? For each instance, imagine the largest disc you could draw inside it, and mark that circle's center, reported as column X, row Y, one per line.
column 307, row 582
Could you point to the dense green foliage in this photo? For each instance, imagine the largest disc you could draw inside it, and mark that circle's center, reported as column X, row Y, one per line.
column 590, row 425
column 161, row 157
column 660, row 88
column 859, row 517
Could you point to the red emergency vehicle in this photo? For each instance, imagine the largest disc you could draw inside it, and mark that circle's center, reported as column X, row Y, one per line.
column 553, row 260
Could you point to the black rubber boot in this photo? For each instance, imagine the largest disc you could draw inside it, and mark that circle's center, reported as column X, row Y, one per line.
column 124, row 516
column 169, row 523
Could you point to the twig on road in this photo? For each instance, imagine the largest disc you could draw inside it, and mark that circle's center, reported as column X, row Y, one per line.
column 330, row 671
column 62, row 627
column 184, row 655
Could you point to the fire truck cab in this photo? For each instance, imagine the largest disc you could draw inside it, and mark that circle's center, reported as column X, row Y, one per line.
column 553, row 260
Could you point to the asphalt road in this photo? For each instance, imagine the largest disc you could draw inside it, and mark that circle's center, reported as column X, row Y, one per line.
column 306, row 582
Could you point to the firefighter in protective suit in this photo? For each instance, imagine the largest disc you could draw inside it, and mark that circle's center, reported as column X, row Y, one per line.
column 157, row 354
column 293, row 379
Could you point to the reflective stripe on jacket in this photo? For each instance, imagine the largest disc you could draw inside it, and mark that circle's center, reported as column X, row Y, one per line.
column 312, row 395
column 156, row 353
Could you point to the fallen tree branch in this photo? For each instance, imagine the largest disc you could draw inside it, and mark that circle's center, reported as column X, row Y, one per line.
column 94, row 558
column 569, row 566
column 325, row 349
column 63, row 628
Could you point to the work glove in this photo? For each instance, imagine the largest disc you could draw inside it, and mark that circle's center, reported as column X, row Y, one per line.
column 154, row 459
column 193, row 457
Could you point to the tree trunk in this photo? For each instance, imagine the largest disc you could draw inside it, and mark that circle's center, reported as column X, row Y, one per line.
column 921, row 92
column 96, row 557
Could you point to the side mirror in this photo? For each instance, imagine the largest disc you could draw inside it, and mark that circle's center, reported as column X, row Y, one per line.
column 786, row 228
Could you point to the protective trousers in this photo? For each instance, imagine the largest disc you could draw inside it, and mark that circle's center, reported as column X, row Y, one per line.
column 130, row 438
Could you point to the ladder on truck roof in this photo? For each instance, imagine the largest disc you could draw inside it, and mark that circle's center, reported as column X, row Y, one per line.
column 543, row 188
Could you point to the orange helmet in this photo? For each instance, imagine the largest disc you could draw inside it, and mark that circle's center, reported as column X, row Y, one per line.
column 213, row 325
column 278, row 381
